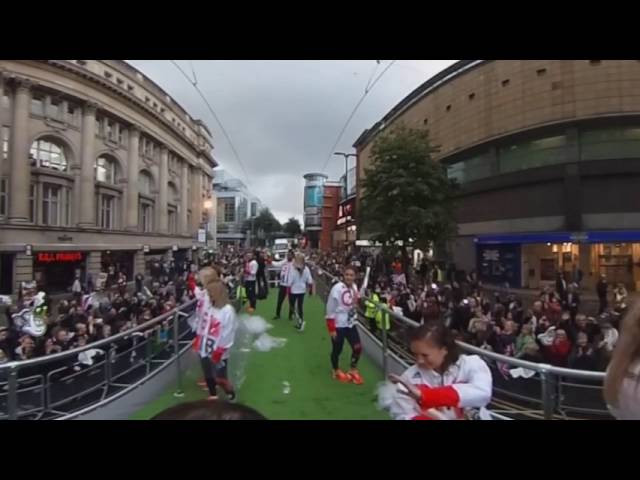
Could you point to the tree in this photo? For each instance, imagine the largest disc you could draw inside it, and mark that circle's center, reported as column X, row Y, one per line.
column 407, row 195
column 265, row 222
column 292, row 227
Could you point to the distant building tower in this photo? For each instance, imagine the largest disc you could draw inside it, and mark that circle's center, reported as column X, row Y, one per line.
column 313, row 202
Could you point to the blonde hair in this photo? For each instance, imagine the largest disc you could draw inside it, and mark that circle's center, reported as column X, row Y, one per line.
column 211, row 281
column 626, row 352
column 299, row 260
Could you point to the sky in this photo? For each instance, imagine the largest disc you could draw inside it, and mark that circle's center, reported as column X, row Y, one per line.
column 284, row 116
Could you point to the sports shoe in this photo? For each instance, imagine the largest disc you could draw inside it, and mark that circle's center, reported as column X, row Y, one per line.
column 356, row 378
column 341, row 376
column 202, row 382
column 300, row 326
column 212, row 397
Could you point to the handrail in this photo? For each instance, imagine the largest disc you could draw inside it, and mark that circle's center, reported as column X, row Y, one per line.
column 537, row 367
column 106, row 341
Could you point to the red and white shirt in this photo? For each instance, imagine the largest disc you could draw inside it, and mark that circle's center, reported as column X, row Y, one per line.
column 250, row 270
column 284, row 274
column 465, row 386
column 341, row 306
column 215, row 328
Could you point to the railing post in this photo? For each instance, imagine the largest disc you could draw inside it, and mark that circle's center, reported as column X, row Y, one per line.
column 548, row 394
column 385, row 347
column 12, row 394
column 176, row 346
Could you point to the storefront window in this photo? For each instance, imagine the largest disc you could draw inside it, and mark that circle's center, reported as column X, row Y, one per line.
column 533, row 154
column 621, row 142
column 474, row 168
column 56, row 270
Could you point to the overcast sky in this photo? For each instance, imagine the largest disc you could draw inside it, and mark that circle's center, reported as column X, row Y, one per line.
column 284, row 116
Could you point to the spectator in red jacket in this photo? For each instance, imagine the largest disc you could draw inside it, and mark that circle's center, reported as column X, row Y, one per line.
column 191, row 282
column 558, row 352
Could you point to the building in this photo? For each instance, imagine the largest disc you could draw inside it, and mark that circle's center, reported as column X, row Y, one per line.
column 345, row 228
column 100, row 167
column 546, row 152
column 235, row 205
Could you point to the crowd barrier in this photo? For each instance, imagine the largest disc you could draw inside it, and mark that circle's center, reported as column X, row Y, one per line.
column 551, row 393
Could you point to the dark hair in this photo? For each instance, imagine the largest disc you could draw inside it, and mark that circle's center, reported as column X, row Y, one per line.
column 350, row 267
column 437, row 333
column 209, row 410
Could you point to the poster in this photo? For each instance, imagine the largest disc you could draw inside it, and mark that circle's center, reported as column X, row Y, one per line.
column 499, row 264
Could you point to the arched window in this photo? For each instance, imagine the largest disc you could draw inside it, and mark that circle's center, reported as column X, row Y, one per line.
column 146, row 202
column 172, row 208
column 106, row 170
column 49, row 154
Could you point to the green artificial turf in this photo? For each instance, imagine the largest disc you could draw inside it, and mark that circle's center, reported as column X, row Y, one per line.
column 304, row 364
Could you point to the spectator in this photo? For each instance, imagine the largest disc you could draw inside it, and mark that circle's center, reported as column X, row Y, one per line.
column 583, row 356
column 573, row 301
column 525, row 340
column 601, row 290
column 558, row 352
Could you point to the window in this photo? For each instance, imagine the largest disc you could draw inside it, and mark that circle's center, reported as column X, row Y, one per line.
column 229, row 211
column 107, row 211
column 6, row 101
column 37, row 105
column 541, row 72
column 474, row 168
column 54, row 109
column 254, row 209
column 106, row 170
column 122, row 135
column 72, row 112
column 4, row 185
column 534, row 153
column 107, row 74
column 32, row 202
column 6, row 131
column 110, row 130
column 144, row 183
column 49, row 155
column 425, row 121
column 146, row 217
column 610, row 143
column 55, row 205
column 505, row 82
column 173, row 220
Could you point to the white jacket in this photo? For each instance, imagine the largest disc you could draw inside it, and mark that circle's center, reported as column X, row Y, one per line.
column 469, row 376
column 250, row 270
column 284, row 272
column 297, row 281
column 215, row 327
column 341, row 305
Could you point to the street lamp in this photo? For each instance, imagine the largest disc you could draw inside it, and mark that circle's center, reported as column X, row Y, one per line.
column 346, row 188
column 208, row 205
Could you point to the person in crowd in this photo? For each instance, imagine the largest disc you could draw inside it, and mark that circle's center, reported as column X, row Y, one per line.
column 300, row 280
column 524, row 340
column 370, row 309
column 573, row 301
column 341, row 317
column 608, row 339
column 620, row 297
column 284, row 285
column 561, row 286
column 601, row 290
column 215, row 331
column 583, row 356
column 139, row 280
column 442, row 383
column 558, row 352
column 206, row 410
column 622, row 379
column 262, row 285
column 76, row 287
column 249, row 277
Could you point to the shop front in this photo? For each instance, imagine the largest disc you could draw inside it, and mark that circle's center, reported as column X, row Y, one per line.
column 54, row 272
column 115, row 261
column 580, row 257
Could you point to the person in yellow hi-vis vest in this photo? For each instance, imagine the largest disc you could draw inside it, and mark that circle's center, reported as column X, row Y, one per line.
column 242, row 294
column 383, row 319
column 370, row 310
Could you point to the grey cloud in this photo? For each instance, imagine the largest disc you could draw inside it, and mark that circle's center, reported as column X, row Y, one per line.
column 283, row 116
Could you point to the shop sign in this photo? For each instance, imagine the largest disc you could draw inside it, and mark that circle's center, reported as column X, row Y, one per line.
column 202, row 235
column 579, row 237
column 145, row 248
column 59, row 257
column 346, row 212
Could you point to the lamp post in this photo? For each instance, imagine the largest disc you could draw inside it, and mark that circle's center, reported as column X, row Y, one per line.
column 346, row 189
column 208, row 205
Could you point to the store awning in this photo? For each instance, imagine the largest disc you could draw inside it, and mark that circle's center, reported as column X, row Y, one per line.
column 614, row 236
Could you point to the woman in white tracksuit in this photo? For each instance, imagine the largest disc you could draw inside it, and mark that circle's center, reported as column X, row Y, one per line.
column 215, row 331
column 299, row 280
column 443, row 384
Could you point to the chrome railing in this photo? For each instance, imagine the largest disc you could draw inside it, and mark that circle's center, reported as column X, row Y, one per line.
column 58, row 386
column 552, row 392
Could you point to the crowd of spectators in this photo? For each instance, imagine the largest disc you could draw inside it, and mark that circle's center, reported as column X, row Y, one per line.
column 554, row 329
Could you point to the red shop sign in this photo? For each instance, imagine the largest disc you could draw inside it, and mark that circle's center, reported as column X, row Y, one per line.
column 59, row 257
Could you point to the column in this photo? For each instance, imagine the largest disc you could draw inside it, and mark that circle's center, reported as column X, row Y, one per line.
column 94, row 264
column 196, row 198
column 163, row 218
column 3, row 112
column 184, row 229
column 87, row 167
column 20, row 178
column 132, row 179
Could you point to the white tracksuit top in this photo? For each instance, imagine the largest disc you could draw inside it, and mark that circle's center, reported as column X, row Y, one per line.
column 250, row 270
column 342, row 304
column 215, row 327
column 284, row 274
column 299, row 281
column 469, row 376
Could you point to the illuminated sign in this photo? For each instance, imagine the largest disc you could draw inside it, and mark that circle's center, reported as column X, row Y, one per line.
column 346, row 212
column 59, row 257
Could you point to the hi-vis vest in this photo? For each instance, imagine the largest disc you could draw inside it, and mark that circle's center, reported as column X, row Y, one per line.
column 382, row 318
column 370, row 311
column 241, row 293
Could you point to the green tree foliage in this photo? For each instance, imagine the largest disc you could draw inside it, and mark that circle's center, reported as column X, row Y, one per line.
column 407, row 195
column 265, row 225
column 292, row 227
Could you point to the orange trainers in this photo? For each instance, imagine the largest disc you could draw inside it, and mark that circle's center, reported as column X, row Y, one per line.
column 202, row 382
column 250, row 310
column 341, row 376
column 356, row 378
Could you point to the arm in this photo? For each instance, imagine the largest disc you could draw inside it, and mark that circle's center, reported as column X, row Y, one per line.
column 227, row 333
column 332, row 307
column 253, row 267
column 403, row 406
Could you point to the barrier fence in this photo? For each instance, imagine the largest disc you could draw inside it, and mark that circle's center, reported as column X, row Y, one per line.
column 552, row 392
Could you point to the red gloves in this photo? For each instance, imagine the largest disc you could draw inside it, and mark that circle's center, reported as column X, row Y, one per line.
column 331, row 325
column 438, row 397
column 421, row 417
column 217, row 355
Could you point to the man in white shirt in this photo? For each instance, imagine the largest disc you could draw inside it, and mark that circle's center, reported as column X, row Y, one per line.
column 284, row 285
column 249, row 276
column 299, row 279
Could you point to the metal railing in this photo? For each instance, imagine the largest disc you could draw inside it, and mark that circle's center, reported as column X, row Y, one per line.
column 58, row 386
column 553, row 392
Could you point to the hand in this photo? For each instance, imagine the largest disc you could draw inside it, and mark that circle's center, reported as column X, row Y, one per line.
column 333, row 335
column 412, row 390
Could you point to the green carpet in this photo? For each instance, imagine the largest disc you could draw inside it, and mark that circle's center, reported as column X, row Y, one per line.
column 304, row 363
